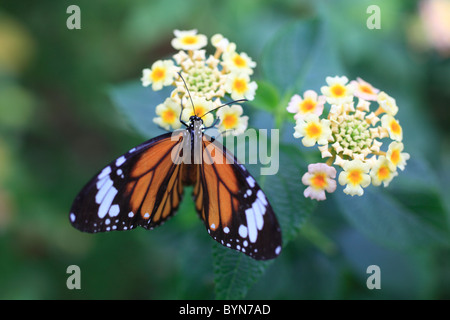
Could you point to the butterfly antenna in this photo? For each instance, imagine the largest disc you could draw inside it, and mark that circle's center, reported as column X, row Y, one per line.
column 189, row 93
column 226, row 104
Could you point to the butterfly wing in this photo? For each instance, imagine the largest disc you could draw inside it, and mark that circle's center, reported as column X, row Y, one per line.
column 235, row 210
column 143, row 187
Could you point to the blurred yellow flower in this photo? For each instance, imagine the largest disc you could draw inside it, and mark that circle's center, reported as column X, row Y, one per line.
column 338, row 91
column 393, row 127
column 168, row 114
column 232, row 120
column 319, row 178
column 236, row 62
column 240, row 87
column 364, row 90
column 387, row 104
column 188, row 40
column 161, row 74
column 382, row 172
column 396, row 156
column 310, row 103
column 313, row 130
column 355, row 177
column 435, row 15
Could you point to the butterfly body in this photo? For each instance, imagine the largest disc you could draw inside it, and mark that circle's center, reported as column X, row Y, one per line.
column 144, row 187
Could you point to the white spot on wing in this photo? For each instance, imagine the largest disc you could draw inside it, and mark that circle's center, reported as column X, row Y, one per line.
column 114, row 210
column 251, row 225
column 278, row 250
column 261, row 196
column 120, row 161
column 251, row 181
column 261, row 206
column 243, row 231
column 72, row 217
column 258, row 215
column 103, row 190
column 226, row 230
column 102, row 181
column 131, row 214
column 104, row 172
column 106, row 202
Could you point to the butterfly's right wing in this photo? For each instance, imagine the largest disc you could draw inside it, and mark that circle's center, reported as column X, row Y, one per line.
column 235, row 210
column 143, row 187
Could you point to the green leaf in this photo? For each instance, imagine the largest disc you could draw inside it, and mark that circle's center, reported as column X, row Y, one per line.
column 414, row 220
column 300, row 56
column 138, row 104
column 267, row 97
column 234, row 272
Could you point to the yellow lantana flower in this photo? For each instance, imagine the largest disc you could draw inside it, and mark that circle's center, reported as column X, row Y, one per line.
column 239, row 86
column 355, row 176
column 168, row 114
column 236, row 62
column 162, row 73
column 313, row 130
column 364, row 90
column 382, row 172
column 319, row 178
column 396, row 156
column 393, row 127
column 338, row 91
column 310, row 103
column 231, row 119
column 387, row 103
column 188, row 40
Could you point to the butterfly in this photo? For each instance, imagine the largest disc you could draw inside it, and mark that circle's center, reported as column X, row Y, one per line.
column 144, row 187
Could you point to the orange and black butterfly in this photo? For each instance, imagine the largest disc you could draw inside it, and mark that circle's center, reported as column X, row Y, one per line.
column 144, row 187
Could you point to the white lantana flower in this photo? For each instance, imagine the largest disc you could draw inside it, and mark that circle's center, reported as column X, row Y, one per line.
column 168, row 114
column 162, row 73
column 240, row 87
column 319, row 178
column 355, row 177
column 188, row 40
column 313, row 130
column 232, row 120
column 338, row 91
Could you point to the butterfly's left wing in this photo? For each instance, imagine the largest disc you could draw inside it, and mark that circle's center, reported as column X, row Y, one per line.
column 235, row 210
column 143, row 188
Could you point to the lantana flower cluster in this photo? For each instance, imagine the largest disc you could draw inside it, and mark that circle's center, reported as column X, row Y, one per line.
column 358, row 135
column 210, row 78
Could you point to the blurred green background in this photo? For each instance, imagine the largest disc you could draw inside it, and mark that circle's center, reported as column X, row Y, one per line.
column 59, row 124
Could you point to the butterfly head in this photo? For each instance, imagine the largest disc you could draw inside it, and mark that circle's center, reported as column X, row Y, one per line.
column 195, row 119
